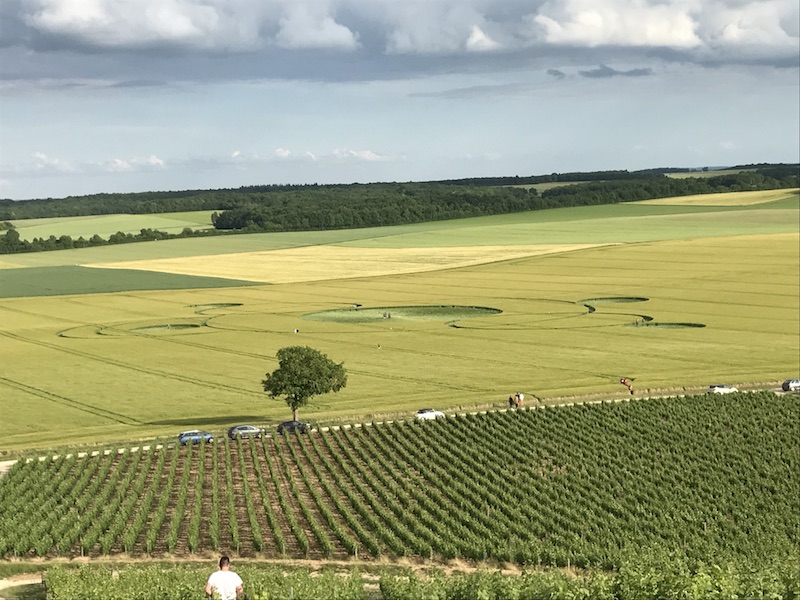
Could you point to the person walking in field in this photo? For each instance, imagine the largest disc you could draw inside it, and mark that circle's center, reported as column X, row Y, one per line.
column 224, row 584
column 624, row 381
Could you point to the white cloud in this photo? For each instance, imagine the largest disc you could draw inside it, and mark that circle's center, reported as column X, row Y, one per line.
column 616, row 22
column 310, row 26
column 766, row 23
column 719, row 30
column 45, row 163
column 478, row 41
column 366, row 155
column 435, row 27
column 142, row 23
column 236, row 154
column 337, row 155
column 116, row 165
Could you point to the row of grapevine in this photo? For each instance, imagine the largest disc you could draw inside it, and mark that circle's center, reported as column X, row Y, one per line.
column 650, row 580
column 713, row 476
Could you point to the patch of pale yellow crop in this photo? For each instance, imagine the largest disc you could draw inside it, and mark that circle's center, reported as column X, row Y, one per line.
column 8, row 265
column 727, row 198
column 316, row 263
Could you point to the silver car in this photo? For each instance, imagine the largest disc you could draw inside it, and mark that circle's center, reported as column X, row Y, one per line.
column 245, row 431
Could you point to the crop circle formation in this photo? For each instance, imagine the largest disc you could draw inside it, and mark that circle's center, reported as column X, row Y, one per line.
column 165, row 327
column 359, row 314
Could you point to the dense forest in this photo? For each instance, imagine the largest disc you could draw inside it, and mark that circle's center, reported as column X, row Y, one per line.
column 316, row 207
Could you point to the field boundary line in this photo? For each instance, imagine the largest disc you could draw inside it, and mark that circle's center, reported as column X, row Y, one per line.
column 124, row 365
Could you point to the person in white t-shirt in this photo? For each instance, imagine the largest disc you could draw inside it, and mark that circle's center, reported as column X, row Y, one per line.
column 226, row 584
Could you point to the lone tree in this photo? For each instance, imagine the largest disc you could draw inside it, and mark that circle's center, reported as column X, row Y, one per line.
column 303, row 373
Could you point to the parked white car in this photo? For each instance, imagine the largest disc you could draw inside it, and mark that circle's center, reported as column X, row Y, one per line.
column 791, row 385
column 721, row 388
column 428, row 414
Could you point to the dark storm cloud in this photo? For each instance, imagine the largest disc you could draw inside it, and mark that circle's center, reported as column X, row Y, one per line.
column 133, row 41
column 604, row 72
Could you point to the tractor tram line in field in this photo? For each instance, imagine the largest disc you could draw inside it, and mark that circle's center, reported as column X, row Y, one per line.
column 69, row 402
column 33, row 313
column 130, row 366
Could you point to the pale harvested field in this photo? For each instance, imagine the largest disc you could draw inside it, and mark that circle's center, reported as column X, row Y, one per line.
column 726, row 199
column 321, row 263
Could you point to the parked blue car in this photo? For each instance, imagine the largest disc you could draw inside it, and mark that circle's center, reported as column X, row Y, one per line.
column 195, row 437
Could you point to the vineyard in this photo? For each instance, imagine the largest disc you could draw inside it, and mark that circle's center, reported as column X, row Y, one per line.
column 711, row 478
column 656, row 580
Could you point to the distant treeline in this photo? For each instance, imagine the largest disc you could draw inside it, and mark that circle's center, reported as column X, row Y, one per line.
column 371, row 205
column 397, row 204
column 10, row 243
column 318, row 207
column 591, row 176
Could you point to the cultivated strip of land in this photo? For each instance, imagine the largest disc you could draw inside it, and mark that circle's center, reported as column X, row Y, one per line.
column 317, row 263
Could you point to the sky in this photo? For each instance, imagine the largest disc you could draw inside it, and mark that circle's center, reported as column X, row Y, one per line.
column 146, row 95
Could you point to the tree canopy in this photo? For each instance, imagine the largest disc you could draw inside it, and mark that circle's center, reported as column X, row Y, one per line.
column 303, row 373
column 346, row 206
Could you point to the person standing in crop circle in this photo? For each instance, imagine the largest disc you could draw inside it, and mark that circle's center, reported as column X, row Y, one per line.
column 224, row 584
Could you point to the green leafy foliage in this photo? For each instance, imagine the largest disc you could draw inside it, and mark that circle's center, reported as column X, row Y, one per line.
column 303, row 373
column 653, row 579
column 680, row 497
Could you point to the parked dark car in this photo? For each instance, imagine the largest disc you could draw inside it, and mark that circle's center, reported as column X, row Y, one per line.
column 245, row 431
column 292, row 426
column 195, row 437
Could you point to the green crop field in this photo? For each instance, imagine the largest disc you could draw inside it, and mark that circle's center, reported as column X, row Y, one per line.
column 709, row 173
column 68, row 280
column 106, row 225
column 673, row 297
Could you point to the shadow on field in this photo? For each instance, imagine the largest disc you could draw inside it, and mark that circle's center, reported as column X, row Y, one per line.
column 200, row 421
column 33, row 591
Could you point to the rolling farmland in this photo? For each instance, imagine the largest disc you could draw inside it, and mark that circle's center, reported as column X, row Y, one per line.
column 106, row 225
column 673, row 296
column 689, row 495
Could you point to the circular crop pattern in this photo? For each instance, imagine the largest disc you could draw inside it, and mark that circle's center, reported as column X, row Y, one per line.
column 217, row 305
column 203, row 308
column 165, row 327
column 401, row 313
column 668, row 325
column 615, row 299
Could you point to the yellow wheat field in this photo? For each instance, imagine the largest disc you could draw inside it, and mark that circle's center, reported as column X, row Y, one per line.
column 319, row 263
column 727, row 199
